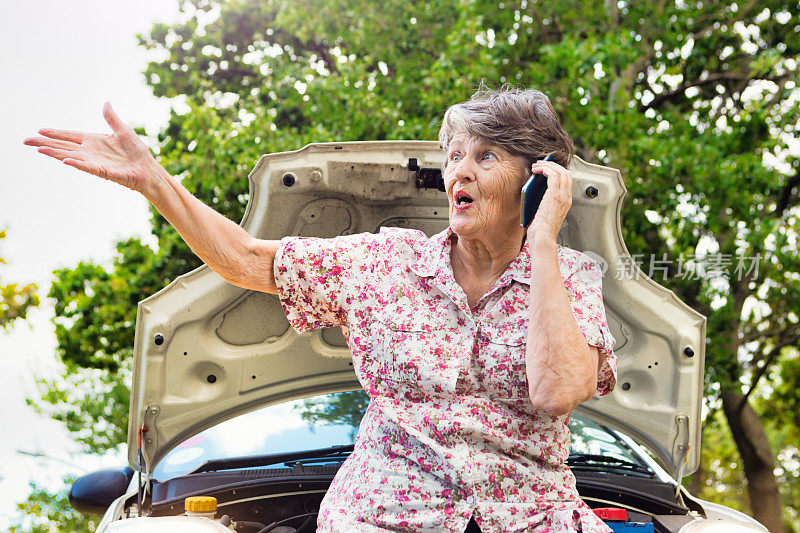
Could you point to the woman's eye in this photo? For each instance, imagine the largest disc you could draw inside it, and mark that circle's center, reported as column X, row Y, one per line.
column 488, row 155
column 454, row 157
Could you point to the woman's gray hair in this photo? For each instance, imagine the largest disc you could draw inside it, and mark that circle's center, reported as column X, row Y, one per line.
column 520, row 120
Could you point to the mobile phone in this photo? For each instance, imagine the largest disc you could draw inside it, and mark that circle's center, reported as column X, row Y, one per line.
column 532, row 194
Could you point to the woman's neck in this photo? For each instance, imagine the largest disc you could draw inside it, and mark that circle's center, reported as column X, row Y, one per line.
column 478, row 264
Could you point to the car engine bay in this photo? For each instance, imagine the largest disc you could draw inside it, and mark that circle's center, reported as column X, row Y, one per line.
column 286, row 499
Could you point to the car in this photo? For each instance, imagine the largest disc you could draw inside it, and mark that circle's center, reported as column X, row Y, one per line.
column 226, row 396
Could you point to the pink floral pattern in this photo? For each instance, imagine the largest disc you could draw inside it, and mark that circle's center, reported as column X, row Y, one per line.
column 450, row 432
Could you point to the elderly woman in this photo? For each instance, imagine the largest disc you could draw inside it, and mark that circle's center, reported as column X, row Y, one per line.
column 474, row 345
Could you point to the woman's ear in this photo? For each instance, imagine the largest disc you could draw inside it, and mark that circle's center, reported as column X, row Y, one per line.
column 527, row 170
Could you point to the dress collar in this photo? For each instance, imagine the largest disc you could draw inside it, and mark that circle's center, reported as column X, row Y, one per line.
column 435, row 256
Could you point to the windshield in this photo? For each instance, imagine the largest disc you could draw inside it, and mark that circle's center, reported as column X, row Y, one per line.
column 589, row 437
column 285, row 427
column 330, row 420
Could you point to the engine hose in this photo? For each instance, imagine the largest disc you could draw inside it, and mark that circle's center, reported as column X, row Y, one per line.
column 274, row 525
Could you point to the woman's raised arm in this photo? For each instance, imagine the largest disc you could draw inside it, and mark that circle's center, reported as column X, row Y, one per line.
column 123, row 158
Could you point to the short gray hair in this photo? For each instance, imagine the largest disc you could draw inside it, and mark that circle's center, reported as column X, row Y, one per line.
column 520, row 120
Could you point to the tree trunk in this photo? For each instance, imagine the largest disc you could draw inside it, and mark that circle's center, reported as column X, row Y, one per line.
column 759, row 464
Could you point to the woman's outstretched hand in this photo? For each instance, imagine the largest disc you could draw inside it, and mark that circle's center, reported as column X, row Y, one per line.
column 123, row 158
column 120, row 157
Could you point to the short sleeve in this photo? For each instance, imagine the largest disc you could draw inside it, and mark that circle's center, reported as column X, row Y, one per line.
column 585, row 292
column 319, row 279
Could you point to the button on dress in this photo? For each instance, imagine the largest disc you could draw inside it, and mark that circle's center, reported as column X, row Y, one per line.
column 450, row 432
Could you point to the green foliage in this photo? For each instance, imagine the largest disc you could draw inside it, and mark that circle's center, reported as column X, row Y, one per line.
column 721, row 477
column 48, row 512
column 15, row 300
column 781, row 413
column 686, row 104
column 95, row 316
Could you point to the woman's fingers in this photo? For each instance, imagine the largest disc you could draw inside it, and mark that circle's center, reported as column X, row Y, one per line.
column 64, row 135
column 113, row 119
column 58, row 154
column 558, row 176
column 558, row 198
column 554, row 180
column 52, row 143
column 84, row 166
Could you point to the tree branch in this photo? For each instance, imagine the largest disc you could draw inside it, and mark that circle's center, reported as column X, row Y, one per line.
column 631, row 72
column 320, row 49
column 793, row 340
column 787, row 197
column 660, row 99
column 729, row 95
column 754, row 334
column 743, row 12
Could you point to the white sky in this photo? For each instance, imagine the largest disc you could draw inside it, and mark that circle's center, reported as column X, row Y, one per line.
column 60, row 62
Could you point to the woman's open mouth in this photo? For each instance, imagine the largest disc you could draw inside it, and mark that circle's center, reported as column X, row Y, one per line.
column 462, row 201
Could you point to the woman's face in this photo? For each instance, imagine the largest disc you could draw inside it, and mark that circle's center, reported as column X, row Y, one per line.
column 483, row 183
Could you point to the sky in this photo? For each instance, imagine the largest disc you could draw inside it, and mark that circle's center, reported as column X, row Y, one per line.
column 60, row 62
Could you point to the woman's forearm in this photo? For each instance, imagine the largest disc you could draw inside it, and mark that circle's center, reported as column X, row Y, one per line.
column 219, row 242
column 561, row 366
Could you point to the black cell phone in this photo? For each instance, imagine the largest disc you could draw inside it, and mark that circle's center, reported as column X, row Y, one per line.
column 532, row 194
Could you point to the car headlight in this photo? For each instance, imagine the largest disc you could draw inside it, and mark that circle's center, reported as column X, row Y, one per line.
column 718, row 526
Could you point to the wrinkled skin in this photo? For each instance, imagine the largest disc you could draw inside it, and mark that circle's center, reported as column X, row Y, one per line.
column 121, row 157
column 489, row 234
column 493, row 178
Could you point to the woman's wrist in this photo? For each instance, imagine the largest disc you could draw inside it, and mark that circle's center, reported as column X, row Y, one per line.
column 540, row 238
column 155, row 179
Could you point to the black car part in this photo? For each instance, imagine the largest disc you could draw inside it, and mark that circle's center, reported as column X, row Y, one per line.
column 426, row 178
column 334, row 452
column 596, row 462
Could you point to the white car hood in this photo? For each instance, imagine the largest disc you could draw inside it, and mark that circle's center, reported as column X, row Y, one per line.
column 206, row 351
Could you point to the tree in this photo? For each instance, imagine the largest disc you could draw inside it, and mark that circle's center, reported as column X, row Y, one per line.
column 15, row 300
column 694, row 102
column 45, row 512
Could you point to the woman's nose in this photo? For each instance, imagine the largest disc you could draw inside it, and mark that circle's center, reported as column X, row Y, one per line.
column 464, row 170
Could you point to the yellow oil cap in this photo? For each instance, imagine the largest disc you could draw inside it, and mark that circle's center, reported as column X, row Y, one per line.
column 200, row 504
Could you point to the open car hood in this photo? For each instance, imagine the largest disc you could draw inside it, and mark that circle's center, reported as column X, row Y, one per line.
column 206, row 351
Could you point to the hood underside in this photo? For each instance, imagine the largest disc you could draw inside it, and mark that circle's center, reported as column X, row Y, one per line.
column 206, row 351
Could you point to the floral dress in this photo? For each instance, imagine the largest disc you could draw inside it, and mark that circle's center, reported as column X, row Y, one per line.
column 450, row 432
